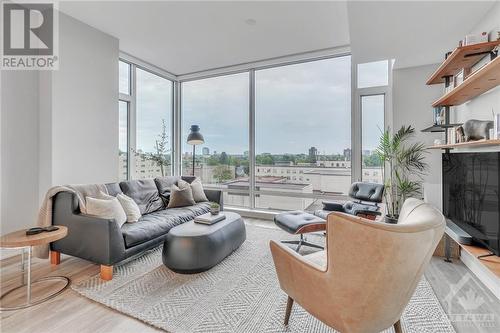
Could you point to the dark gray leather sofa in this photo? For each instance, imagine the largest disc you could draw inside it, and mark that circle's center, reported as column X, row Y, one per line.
column 104, row 242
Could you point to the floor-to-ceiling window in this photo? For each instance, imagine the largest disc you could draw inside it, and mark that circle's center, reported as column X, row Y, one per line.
column 123, row 119
column 153, row 155
column 219, row 106
column 372, row 126
column 372, row 90
column 145, row 113
column 302, row 133
column 294, row 121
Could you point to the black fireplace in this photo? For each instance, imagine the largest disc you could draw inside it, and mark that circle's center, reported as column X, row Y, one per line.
column 471, row 195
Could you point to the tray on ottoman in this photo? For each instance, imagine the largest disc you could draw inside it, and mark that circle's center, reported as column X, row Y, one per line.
column 193, row 247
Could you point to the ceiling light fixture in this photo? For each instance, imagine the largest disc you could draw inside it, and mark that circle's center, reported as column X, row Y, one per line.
column 250, row 21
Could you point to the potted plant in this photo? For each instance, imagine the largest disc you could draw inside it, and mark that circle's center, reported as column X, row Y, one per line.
column 214, row 208
column 405, row 166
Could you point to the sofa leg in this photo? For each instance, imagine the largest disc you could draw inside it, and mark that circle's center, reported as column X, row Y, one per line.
column 397, row 327
column 106, row 272
column 55, row 257
column 289, row 304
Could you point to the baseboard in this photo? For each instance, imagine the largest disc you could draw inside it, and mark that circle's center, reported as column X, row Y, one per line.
column 490, row 280
column 252, row 213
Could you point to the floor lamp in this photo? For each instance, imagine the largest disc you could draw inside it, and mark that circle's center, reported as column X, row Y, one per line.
column 195, row 138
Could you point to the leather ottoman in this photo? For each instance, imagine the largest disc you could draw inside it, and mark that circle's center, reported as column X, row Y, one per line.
column 299, row 223
column 193, row 247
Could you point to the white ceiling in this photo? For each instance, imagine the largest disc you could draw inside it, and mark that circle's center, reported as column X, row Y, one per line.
column 412, row 32
column 184, row 37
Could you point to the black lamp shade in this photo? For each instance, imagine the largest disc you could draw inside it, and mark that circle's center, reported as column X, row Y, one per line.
column 195, row 137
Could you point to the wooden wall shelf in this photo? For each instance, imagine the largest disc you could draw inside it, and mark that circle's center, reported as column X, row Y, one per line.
column 482, row 80
column 470, row 144
column 461, row 57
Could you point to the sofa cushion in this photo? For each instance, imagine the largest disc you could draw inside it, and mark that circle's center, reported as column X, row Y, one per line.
column 164, row 185
column 108, row 208
column 181, row 196
column 156, row 224
column 130, row 207
column 113, row 189
column 145, row 194
column 198, row 192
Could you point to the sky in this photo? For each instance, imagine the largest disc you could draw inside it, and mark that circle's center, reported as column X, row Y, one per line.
column 297, row 107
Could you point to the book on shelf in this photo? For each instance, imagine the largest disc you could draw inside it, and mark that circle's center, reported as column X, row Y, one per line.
column 208, row 218
column 496, row 126
column 451, row 135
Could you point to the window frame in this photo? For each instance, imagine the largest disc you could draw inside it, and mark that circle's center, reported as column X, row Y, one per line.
column 357, row 124
column 251, row 69
column 253, row 192
column 132, row 109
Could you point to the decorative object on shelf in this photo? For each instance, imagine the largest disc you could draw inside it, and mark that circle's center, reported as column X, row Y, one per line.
column 477, row 129
column 406, row 166
column 214, row 208
column 459, row 134
column 472, row 39
column 451, row 136
column 437, row 142
column 439, row 118
column 496, row 126
column 195, row 138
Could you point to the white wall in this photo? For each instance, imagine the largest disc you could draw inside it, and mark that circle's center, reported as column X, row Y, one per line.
column 84, row 106
column 59, row 127
column 412, row 101
column 481, row 107
column 19, row 149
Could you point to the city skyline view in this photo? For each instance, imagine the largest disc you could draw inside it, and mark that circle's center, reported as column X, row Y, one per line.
column 297, row 107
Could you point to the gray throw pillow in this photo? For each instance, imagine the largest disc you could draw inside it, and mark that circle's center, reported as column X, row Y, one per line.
column 181, row 196
column 198, row 192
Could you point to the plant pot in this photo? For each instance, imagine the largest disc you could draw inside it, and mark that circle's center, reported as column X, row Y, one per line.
column 391, row 219
column 214, row 211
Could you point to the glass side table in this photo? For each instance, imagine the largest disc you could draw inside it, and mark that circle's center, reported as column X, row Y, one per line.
column 19, row 240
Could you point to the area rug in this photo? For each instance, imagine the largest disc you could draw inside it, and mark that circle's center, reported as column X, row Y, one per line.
column 241, row 294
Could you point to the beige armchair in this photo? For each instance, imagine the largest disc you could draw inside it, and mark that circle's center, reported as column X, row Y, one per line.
column 366, row 276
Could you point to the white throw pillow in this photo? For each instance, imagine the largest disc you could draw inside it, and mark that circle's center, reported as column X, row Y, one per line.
column 198, row 192
column 105, row 196
column 106, row 209
column 130, row 207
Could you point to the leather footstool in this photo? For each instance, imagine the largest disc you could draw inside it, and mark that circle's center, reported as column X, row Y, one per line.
column 298, row 223
column 193, row 247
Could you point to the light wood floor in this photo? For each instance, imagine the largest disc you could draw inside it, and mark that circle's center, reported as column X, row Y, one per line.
column 70, row 312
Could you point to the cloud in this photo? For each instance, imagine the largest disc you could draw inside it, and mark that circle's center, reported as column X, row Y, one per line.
column 297, row 107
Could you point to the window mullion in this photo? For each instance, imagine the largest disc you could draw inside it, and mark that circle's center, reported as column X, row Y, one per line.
column 251, row 155
column 132, row 123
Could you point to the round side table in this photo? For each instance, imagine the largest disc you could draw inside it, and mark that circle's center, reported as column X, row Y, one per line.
column 19, row 240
